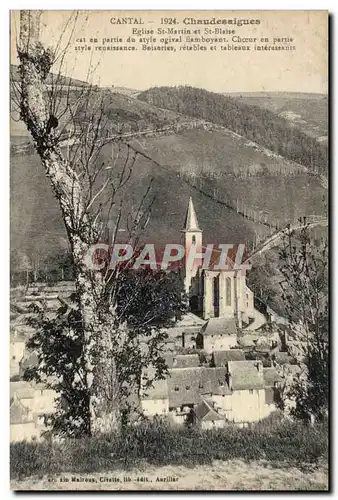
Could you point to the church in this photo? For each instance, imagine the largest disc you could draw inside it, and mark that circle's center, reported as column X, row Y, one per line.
column 215, row 293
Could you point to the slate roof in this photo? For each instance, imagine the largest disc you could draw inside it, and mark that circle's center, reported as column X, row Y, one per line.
column 220, row 326
column 189, row 320
column 212, row 381
column 293, row 370
column 168, row 358
column 18, row 413
column 230, row 261
column 188, row 385
column 205, row 412
column 159, row 390
column 183, row 386
column 271, row 376
column 29, row 361
column 221, row 358
column 185, row 360
column 269, row 396
column 281, row 357
column 244, row 375
column 22, row 390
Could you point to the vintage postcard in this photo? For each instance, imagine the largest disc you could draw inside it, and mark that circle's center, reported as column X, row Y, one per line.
column 169, row 250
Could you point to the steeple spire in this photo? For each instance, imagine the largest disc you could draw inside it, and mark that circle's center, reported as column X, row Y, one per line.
column 191, row 222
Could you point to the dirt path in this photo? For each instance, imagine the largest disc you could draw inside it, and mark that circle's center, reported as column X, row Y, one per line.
column 234, row 475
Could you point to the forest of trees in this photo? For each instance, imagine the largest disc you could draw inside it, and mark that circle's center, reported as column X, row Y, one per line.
column 257, row 124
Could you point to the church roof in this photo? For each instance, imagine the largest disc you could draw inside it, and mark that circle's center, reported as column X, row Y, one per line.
column 191, row 222
column 231, row 257
column 220, row 326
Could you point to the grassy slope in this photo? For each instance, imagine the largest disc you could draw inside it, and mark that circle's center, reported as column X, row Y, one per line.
column 36, row 223
column 268, row 453
column 307, row 111
column 37, row 226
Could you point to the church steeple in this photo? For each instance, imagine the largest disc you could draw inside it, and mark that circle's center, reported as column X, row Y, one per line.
column 192, row 242
column 191, row 222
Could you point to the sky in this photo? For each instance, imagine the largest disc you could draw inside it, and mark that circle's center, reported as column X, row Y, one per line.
column 301, row 70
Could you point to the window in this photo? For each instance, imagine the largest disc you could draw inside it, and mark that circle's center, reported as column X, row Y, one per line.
column 177, row 388
column 228, row 291
column 193, row 239
column 13, row 357
column 215, row 287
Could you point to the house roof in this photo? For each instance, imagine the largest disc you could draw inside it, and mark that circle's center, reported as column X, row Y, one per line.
column 220, row 326
column 29, row 361
column 281, row 357
column 185, row 360
column 269, row 396
column 221, row 358
column 159, row 390
column 189, row 319
column 205, row 412
column 213, row 381
column 22, row 390
column 293, row 369
column 245, row 375
column 183, row 386
column 271, row 376
column 188, row 385
column 18, row 413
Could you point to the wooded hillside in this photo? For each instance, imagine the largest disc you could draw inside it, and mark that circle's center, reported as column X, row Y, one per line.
column 256, row 123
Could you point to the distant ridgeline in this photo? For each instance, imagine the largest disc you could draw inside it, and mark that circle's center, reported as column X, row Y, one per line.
column 260, row 125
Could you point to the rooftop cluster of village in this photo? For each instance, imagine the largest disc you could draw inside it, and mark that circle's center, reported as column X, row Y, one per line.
column 227, row 362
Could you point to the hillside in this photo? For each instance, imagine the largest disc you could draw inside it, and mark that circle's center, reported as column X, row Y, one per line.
column 211, row 159
column 309, row 112
column 220, row 169
column 254, row 122
column 51, row 78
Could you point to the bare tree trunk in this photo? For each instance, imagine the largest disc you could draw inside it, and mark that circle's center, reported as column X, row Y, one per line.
column 35, row 64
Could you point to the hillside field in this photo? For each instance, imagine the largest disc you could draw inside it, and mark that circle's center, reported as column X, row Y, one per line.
column 200, row 155
column 215, row 166
column 307, row 111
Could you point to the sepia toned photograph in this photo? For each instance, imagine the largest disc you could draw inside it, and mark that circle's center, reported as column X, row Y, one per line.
column 169, row 256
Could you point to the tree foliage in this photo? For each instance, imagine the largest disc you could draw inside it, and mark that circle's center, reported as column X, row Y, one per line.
column 258, row 124
column 90, row 192
column 146, row 302
column 304, row 266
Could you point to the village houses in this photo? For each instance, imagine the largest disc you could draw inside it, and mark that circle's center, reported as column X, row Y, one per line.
column 212, row 385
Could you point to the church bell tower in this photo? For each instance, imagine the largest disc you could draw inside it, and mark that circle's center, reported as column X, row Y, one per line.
column 192, row 238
